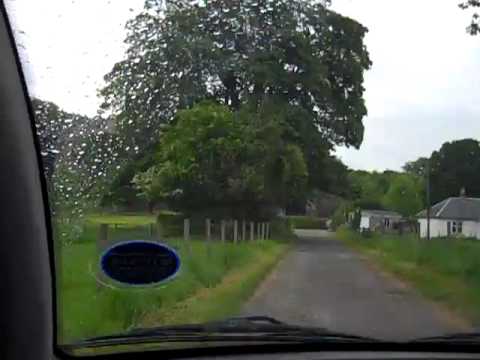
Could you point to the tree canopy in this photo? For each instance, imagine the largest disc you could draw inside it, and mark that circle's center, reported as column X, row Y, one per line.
column 474, row 27
column 417, row 167
column 294, row 62
column 297, row 53
column 390, row 190
column 404, row 195
column 78, row 155
column 455, row 166
column 369, row 188
column 212, row 158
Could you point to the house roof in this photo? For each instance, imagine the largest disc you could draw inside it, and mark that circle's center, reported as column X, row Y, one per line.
column 384, row 213
column 461, row 208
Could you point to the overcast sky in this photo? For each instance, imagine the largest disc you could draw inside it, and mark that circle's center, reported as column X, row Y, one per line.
column 422, row 90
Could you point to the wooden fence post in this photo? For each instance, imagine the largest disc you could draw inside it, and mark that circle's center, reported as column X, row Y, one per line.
column 102, row 240
column 102, row 243
column 151, row 231
column 159, row 230
column 259, row 227
column 186, row 235
column 222, row 231
column 268, row 231
column 244, row 230
column 263, row 231
column 208, row 229
column 235, row 231
column 186, row 229
column 208, row 225
column 252, row 230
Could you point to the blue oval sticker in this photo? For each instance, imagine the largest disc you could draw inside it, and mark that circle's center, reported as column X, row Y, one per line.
column 140, row 262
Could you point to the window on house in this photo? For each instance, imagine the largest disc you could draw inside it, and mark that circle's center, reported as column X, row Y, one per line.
column 457, row 227
column 386, row 222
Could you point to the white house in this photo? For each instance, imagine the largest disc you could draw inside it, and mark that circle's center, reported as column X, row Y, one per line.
column 378, row 220
column 453, row 216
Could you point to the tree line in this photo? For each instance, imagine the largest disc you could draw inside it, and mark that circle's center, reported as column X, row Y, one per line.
column 452, row 168
column 210, row 153
column 231, row 106
column 455, row 166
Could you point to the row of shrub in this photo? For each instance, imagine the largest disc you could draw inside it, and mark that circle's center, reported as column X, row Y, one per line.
column 307, row 222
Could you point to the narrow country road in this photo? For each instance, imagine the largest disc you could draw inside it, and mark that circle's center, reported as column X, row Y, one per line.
column 323, row 283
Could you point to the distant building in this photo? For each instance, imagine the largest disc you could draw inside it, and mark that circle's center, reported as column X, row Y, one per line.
column 379, row 220
column 451, row 217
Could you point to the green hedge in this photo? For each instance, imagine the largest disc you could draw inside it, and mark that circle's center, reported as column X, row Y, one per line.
column 170, row 224
column 307, row 222
column 281, row 229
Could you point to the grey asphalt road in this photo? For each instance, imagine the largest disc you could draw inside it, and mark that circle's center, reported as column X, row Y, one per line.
column 323, row 283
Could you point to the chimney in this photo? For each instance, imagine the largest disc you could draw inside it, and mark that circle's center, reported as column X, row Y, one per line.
column 463, row 192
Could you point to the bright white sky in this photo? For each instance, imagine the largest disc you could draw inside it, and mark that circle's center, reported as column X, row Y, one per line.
column 422, row 90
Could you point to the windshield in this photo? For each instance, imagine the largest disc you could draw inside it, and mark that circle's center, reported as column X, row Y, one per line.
column 247, row 171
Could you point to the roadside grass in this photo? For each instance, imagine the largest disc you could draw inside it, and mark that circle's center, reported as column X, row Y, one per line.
column 121, row 219
column 213, row 280
column 444, row 270
column 226, row 298
column 307, row 222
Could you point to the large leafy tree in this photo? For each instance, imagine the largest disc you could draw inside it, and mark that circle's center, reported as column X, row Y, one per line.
column 474, row 27
column 404, row 195
column 417, row 167
column 51, row 131
column 79, row 156
column 402, row 192
column 212, row 159
column 297, row 54
column 369, row 188
column 455, row 166
column 334, row 178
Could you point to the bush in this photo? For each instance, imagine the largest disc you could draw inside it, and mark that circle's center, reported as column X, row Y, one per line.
column 357, row 217
column 367, row 234
column 281, row 228
column 170, row 224
column 339, row 217
column 307, row 222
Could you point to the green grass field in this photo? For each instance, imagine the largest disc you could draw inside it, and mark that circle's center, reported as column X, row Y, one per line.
column 122, row 219
column 444, row 270
column 213, row 282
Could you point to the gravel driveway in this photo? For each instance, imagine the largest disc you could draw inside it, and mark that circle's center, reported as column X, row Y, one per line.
column 323, row 283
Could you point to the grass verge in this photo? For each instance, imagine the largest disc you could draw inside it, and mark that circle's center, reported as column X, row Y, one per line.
column 226, row 298
column 121, row 219
column 446, row 271
column 230, row 272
